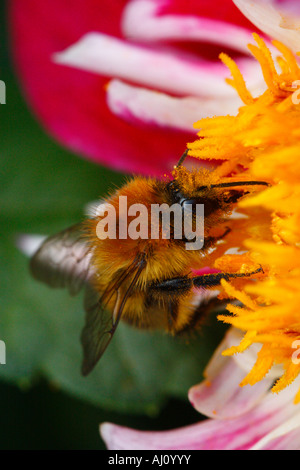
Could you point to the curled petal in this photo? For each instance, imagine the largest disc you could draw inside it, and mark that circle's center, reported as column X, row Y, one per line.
column 105, row 55
column 273, row 19
column 140, row 105
column 225, row 11
column 240, row 433
column 220, row 395
column 148, row 21
column 284, row 437
column 71, row 104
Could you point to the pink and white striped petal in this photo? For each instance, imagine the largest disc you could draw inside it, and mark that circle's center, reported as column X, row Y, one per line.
column 240, row 433
column 140, row 105
column 111, row 57
column 142, row 20
column 220, row 395
column 275, row 19
column 284, row 437
column 71, row 104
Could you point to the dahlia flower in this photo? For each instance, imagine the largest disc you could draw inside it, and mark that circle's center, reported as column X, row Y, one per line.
column 261, row 142
column 264, row 145
column 95, row 86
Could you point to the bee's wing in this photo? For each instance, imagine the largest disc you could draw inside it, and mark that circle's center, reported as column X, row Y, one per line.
column 63, row 260
column 101, row 322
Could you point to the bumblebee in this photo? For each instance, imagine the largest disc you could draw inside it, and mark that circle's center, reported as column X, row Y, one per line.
column 147, row 282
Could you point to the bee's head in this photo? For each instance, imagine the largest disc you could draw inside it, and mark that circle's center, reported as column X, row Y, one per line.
column 201, row 186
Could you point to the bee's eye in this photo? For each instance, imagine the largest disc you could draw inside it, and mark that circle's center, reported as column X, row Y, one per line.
column 174, row 191
column 189, row 205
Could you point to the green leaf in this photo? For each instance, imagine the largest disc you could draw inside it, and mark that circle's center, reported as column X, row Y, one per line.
column 44, row 189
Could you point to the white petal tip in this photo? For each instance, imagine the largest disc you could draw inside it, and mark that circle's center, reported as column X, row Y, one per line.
column 106, row 433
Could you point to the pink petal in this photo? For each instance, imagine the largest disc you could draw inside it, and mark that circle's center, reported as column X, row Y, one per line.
column 288, row 441
column 112, row 57
column 239, row 433
column 220, row 395
column 224, row 11
column 71, row 104
column 290, row 7
column 284, row 437
column 272, row 18
column 147, row 20
column 136, row 104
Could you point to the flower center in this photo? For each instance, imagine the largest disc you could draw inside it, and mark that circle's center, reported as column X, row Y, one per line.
column 262, row 143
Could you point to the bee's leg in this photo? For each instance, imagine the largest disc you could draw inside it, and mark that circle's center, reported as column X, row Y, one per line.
column 211, row 241
column 212, row 280
column 169, row 293
column 207, row 281
column 173, row 291
column 178, row 286
column 175, row 286
column 220, row 237
column 201, row 311
column 226, row 232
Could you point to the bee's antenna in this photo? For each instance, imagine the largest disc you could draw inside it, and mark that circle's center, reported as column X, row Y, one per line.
column 182, row 158
column 236, row 183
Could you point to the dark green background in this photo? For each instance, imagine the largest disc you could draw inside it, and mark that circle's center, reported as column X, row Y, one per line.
column 43, row 404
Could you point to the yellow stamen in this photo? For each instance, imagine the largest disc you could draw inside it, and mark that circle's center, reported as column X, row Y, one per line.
column 262, row 142
column 238, row 81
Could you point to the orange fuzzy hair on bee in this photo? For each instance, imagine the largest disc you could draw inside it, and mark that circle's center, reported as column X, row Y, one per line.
column 129, row 274
column 118, row 253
